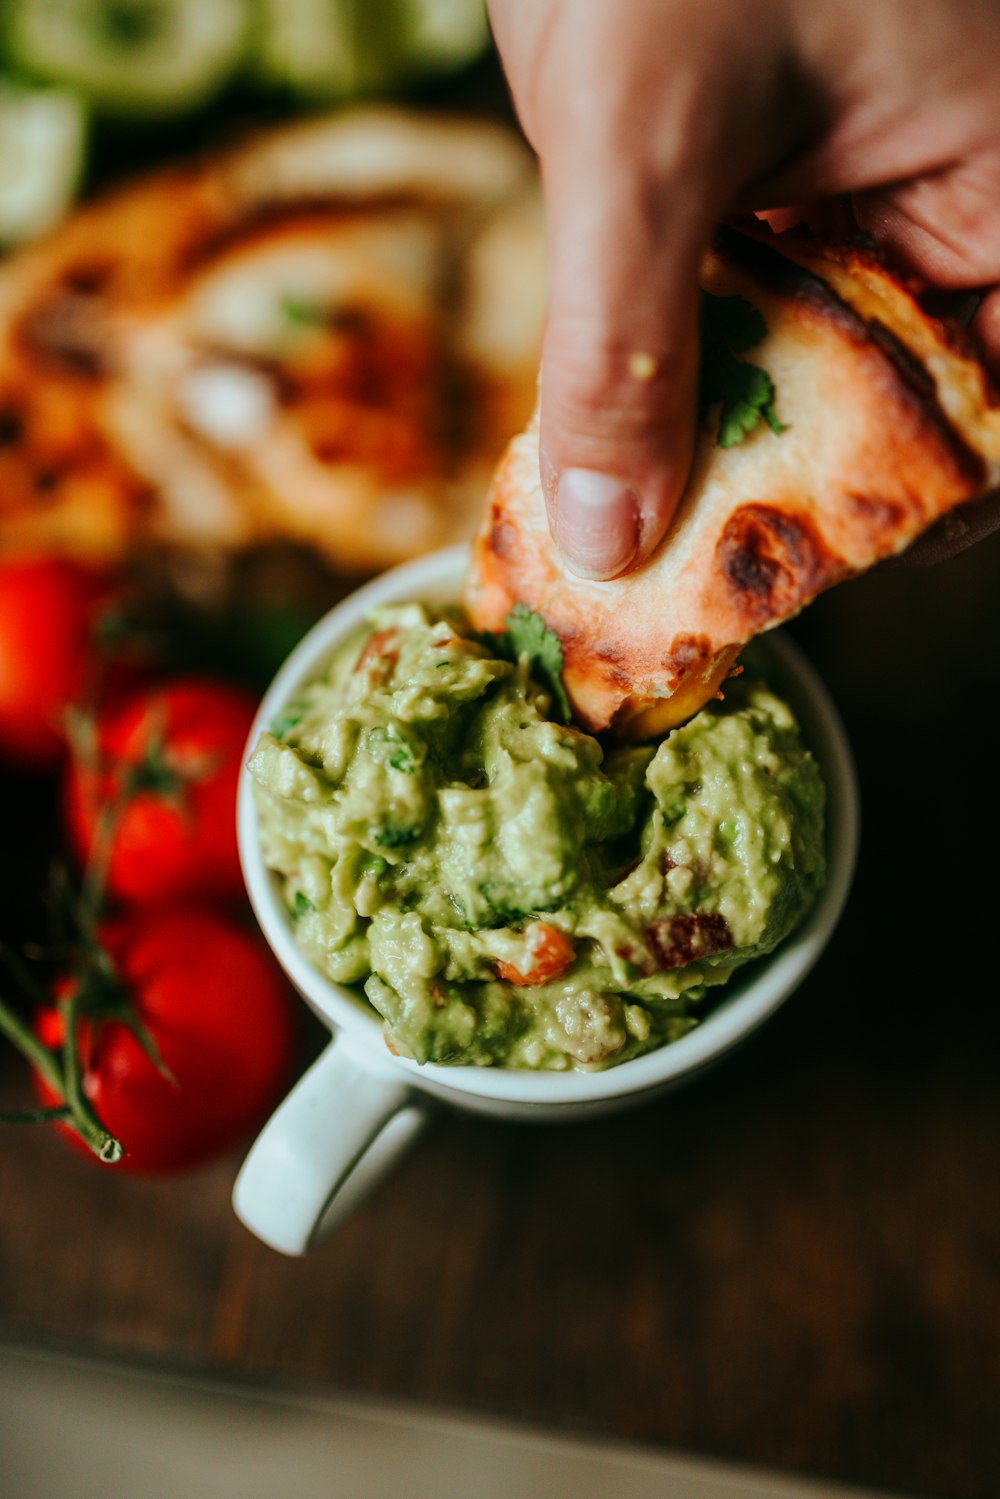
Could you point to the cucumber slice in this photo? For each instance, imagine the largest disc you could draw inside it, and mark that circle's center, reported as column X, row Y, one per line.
column 329, row 49
column 340, row 49
column 43, row 134
column 130, row 57
column 447, row 34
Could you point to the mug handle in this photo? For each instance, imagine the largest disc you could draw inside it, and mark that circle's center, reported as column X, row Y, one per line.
column 343, row 1126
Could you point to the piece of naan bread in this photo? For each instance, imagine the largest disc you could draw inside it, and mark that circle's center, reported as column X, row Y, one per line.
column 890, row 423
column 286, row 340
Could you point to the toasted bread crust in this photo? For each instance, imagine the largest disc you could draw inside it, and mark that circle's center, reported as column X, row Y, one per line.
column 890, row 424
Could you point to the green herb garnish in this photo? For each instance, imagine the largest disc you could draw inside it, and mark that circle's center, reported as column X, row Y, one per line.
column 729, row 325
column 528, row 635
column 388, row 746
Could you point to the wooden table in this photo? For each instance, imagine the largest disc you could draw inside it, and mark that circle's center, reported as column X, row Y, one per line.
column 795, row 1261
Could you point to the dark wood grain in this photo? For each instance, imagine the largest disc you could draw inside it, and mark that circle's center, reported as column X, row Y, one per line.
column 795, row 1261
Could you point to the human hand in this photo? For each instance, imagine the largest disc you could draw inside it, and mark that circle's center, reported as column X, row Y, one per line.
column 652, row 119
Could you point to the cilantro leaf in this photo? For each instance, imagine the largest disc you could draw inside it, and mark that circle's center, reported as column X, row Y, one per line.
column 730, row 325
column 528, row 635
column 390, row 746
column 732, row 321
column 301, row 904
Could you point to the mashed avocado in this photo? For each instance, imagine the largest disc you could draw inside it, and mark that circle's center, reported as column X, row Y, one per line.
column 506, row 889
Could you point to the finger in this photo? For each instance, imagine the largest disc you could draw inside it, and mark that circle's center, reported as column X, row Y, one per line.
column 640, row 117
column 953, row 533
column 619, row 370
column 946, row 227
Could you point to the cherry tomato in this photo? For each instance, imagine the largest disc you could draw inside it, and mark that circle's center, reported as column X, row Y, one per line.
column 220, row 1015
column 179, row 746
column 47, row 609
column 548, row 953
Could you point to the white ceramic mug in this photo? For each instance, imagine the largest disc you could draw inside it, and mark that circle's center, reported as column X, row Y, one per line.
column 358, row 1107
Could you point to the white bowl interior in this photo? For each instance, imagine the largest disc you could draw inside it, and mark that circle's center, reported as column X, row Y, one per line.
column 748, row 1000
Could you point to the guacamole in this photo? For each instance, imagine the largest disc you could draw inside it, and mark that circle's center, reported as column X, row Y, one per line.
column 506, row 889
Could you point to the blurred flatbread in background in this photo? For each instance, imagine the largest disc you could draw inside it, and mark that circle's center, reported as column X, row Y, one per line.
column 322, row 337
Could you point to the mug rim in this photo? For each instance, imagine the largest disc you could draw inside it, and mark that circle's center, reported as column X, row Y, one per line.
column 749, row 999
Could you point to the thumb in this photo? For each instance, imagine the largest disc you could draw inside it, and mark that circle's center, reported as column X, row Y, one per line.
column 619, row 364
column 647, row 120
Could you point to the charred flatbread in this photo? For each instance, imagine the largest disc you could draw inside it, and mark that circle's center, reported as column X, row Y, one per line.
column 883, row 421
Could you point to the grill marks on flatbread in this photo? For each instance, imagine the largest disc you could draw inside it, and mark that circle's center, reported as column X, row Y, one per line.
column 279, row 341
column 891, row 423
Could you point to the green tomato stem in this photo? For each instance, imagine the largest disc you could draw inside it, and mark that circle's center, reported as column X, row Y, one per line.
column 84, row 1120
column 60, row 1114
column 28, row 1044
column 96, row 873
column 67, row 1082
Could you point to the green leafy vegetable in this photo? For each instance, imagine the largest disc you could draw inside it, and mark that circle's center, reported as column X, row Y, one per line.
column 528, row 635
column 301, row 904
column 729, row 325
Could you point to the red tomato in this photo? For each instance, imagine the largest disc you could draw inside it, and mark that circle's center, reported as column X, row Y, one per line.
column 548, row 953
column 47, row 608
column 175, row 836
column 214, row 1002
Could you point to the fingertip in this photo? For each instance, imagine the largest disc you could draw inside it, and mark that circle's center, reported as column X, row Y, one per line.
column 605, row 526
column 614, row 462
column 595, row 523
column 663, row 491
column 955, row 532
column 619, row 367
